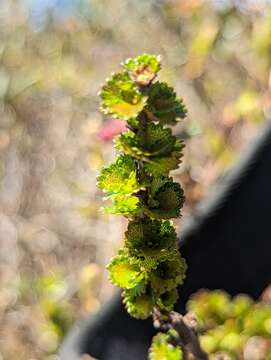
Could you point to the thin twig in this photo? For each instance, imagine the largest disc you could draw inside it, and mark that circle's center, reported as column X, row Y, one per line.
column 187, row 334
column 185, row 326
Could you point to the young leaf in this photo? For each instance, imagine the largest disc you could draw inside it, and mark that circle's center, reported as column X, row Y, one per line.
column 168, row 274
column 119, row 178
column 151, row 239
column 163, row 105
column 162, row 165
column 125, row 272
column 143, row 69
column 121, row 97
column 165, row 200
column 140, row 306
column 167, row 300
column 123, row 205
column 161, row 349
column 151, row 141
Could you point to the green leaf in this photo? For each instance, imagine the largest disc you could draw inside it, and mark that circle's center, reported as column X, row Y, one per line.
column 161, row 349
column 164, row 105
column 168, row 274
column 140, row 306
column 241, row 304
column 125, row 272
column 258, row 321
column 163, row 165
column 125, row 205
column 151, row 241
column 119, row 178
column 166, row 198
column 210, row 307
column 160, row 151
column 152, row 140
column 143, row 69
column 121, row 97
column 167, row 300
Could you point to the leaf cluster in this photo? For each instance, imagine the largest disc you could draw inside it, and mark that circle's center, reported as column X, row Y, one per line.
column 149, row 266
column 162, row 348
column 234, row 327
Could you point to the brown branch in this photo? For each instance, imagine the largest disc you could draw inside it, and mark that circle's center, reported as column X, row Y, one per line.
column 187, row 333
column 185, row 326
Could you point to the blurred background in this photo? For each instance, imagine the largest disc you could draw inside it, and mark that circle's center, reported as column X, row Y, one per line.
column 54, row 56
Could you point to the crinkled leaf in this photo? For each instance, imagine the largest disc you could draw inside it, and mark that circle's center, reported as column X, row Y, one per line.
column 125, row 205
column 139, row 289
column 151, row 141
column 166, row 198
column 143, row 69
column 168, row 274
column 121, row 97
column 140, row 306
column 151, row 240
column 167, row 300
column 164, row 164
column 164, row 105
column 119, row 178
column 125, row 272
column 150, row 262
column 161, row 349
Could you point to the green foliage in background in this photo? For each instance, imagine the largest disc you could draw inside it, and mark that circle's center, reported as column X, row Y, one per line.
column 52, row 307
column 162, row 349
column 236, row 327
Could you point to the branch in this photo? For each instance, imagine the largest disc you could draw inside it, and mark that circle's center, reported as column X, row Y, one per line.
column 185, row 326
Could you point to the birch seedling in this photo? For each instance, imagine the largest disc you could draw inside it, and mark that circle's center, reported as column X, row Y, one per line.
column 149, row 266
